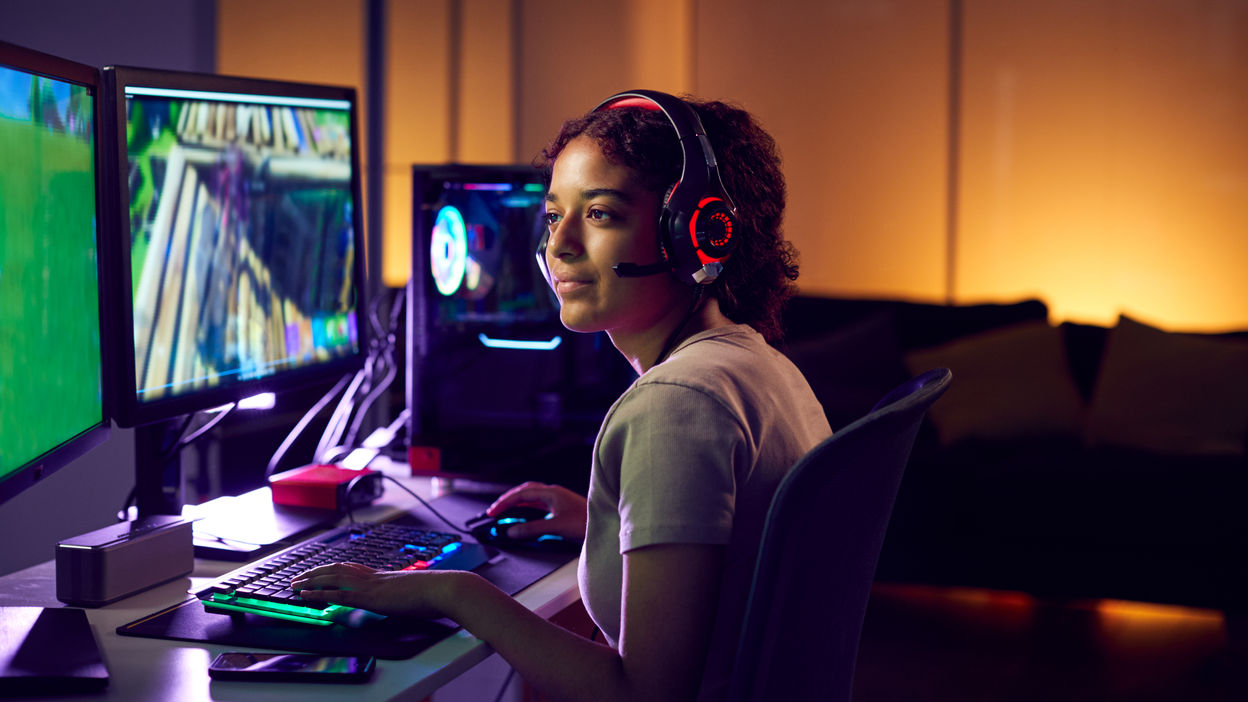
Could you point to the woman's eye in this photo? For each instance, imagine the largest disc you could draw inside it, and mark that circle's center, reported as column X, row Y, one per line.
column 599, row 215
column 552, row 219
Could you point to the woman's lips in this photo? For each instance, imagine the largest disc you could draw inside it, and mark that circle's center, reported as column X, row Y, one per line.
column 564, row 287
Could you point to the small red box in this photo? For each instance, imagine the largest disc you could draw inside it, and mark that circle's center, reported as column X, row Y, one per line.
column 424, row 460
column 322, row 486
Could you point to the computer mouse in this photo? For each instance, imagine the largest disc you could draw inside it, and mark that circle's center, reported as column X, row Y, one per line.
column 492, row 531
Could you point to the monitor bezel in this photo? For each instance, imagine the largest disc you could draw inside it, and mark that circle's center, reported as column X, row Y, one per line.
column 128, row 411
column 34, row 471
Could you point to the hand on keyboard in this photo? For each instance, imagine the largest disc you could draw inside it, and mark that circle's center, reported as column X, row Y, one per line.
column 404, row 592
column 263, row 588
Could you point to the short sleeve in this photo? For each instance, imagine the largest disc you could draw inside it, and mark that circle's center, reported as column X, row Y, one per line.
column 680, row 451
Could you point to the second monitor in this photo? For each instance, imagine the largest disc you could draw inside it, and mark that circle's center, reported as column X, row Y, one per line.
column 241, row 255
column 51, row 357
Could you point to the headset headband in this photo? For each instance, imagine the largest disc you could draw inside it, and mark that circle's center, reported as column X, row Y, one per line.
column 699, row 176
column 698, row 222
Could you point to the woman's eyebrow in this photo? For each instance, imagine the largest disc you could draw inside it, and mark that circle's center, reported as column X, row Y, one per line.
column 620, row 195
column 592, row 193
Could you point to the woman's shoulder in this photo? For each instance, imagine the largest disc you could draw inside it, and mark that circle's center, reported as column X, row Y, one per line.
column 722, row 359
column 726, row 347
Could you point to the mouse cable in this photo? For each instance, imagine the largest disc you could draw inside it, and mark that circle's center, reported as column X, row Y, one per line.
column 511, row 673
column 355, row 481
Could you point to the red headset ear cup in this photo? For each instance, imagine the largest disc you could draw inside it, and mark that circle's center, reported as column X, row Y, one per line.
column 714, row 229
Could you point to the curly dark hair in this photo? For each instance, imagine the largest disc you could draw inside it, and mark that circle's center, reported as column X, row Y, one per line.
column 759, row 277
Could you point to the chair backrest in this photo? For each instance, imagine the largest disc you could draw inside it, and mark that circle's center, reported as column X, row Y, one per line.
column 820, row 547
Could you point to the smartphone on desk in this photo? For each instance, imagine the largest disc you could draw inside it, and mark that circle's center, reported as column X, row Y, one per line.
column 291, row 667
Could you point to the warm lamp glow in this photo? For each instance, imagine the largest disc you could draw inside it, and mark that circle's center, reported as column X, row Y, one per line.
column 1122, row 611
column 1150, row 630
column 1001, row 607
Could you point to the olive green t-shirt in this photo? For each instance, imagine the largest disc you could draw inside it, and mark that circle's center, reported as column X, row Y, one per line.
column 692, row 452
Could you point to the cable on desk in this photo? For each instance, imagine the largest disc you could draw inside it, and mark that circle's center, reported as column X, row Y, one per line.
column 185, row 440
column 384, row 341
column 506, row 683
column 182, row 438
column 356, row 481
column 302, row 424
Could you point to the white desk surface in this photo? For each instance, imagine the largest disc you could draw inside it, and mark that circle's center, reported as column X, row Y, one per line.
column 161, row 670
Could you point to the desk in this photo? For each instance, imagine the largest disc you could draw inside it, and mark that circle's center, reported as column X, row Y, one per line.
column 162, row 670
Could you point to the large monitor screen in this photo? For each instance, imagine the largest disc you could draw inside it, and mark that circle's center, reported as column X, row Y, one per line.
column 51, row 392
column 244, row 248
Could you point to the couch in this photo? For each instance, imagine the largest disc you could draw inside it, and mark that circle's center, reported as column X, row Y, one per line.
column 1067, row 461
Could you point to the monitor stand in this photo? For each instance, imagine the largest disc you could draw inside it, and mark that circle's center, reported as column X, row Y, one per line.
column 228, row 528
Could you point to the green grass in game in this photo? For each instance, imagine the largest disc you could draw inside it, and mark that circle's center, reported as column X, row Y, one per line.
column 49, row 323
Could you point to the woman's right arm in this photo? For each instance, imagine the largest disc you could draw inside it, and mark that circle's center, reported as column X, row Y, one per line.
column 670, row 595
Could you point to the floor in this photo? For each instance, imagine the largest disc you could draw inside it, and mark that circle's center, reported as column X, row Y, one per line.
column 928, row 643
column 937, row 644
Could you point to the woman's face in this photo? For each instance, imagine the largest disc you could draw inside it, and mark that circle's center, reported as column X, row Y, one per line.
column 598, row 216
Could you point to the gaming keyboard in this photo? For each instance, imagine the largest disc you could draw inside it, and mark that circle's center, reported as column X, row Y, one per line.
column 263, row 587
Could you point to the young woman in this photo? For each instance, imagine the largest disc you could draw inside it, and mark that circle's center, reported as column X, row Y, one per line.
column 688, row 458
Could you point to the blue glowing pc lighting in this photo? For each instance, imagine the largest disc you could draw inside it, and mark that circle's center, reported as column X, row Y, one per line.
column 548, row 345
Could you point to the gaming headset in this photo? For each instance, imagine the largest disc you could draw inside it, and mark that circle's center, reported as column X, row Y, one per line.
column 698, row 222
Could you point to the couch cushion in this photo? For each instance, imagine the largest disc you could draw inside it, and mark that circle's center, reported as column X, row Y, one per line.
column 851, row 368
column 1176, row 394
column 924, row 325
column 1008, row 383
column 919, row 324
column 1085, row 345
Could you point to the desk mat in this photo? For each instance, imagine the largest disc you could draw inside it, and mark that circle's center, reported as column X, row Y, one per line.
column 392, row 638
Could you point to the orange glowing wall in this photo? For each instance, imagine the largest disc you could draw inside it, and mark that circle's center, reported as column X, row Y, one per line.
column 1105, row 166
column 855, row 95
column 1101, row 158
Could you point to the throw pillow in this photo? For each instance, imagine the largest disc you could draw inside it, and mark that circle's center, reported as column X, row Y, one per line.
column 1178, row 394
column 1008, row 383
column 851, row 368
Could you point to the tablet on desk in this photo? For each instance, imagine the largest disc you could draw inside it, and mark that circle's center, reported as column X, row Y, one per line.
column 48, row 651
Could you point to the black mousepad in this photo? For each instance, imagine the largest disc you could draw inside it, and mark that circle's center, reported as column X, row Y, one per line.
column 392, row 638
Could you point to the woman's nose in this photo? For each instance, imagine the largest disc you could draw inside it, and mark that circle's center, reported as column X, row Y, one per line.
column 564, row 239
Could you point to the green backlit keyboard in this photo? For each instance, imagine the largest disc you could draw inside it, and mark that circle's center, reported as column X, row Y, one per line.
column 263, row 587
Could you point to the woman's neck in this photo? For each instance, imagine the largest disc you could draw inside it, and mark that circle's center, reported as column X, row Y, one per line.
column 645, row 353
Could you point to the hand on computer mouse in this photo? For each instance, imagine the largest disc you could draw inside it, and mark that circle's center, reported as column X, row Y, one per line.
column 497, row 531
column 566, row 511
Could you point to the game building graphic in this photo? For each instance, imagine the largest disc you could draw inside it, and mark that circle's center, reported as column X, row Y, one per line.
column 248, row 207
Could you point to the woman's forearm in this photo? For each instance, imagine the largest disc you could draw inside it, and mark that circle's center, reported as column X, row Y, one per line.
column 557, row 662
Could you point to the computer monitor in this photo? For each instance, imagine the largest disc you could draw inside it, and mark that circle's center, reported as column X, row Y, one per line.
column 241, row 244
column 479, row 227
column 52, row 407
column 495, row 383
